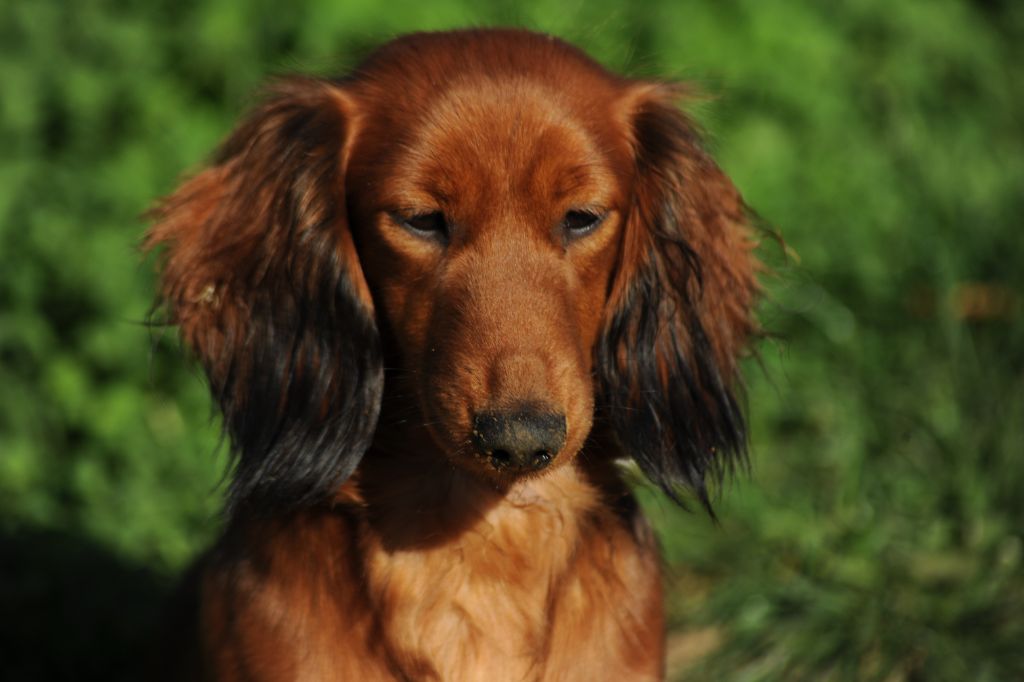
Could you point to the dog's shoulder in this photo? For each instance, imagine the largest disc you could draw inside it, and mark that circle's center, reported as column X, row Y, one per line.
column 273, row 591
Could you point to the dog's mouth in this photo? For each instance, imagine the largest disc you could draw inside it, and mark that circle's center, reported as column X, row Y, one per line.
column 504, row 416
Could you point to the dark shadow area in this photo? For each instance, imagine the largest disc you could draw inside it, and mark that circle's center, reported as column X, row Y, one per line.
column 73, row 610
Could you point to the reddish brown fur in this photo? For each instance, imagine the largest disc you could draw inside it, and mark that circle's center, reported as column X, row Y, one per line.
column 427, row 563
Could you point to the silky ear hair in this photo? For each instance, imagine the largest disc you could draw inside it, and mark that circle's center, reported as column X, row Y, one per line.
column 260, row 273
column 681, row 309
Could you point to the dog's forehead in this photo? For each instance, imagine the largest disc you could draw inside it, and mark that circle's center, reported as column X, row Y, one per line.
column 480, row 121
column 433, row 59
column 487, row 138
column 509, row 130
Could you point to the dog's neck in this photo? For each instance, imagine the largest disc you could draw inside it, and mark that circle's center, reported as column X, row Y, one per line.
column 449, row 558
column 419, row 500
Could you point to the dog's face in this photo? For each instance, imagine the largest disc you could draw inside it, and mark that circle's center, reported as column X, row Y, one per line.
column 488, row 233
column 529, row 236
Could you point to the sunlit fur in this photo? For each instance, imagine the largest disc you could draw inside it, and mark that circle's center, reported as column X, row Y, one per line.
column 366, row 538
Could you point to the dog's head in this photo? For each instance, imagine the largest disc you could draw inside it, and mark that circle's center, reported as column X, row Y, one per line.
column 528, row 238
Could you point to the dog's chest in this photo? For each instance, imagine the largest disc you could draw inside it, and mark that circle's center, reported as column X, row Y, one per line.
column 477, row 607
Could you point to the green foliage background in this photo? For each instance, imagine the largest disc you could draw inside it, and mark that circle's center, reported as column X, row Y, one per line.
column 880, row 535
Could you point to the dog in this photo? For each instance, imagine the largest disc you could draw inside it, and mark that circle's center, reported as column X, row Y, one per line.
column 437, row 301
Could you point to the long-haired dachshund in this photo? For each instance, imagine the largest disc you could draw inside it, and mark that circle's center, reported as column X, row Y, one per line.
column 436, row 300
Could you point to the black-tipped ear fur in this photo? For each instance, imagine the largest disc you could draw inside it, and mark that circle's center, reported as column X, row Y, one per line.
column 260, row 273
column 680, row 313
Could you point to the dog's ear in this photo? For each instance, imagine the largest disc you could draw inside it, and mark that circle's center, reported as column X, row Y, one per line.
column 680, row 308
column 260, row 273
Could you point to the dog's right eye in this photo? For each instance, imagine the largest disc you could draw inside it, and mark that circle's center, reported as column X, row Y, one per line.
column 433, row 224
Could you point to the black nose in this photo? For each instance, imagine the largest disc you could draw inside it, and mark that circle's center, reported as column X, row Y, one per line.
column 524, row 440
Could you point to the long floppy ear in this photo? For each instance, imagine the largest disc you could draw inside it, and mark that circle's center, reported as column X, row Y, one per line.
column 260, row 273
column 680, row 309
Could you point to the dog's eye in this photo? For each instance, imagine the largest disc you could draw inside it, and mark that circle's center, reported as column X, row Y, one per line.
column 433, row 224
column 579, row 223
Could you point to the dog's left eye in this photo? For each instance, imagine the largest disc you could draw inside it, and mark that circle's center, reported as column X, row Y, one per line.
column 579, row 223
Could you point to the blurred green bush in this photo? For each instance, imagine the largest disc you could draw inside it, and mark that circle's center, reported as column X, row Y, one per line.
column 880, row 536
